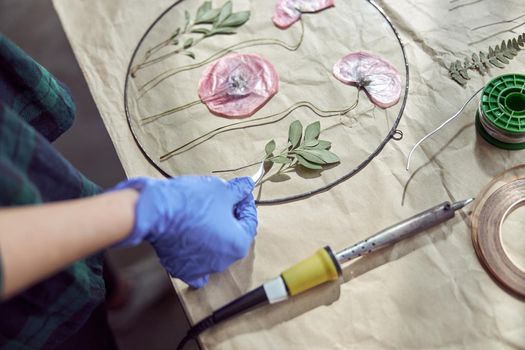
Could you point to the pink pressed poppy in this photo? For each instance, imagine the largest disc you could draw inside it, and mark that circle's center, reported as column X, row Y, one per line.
column 378, row 77
column 287, row 12
column 238, row 85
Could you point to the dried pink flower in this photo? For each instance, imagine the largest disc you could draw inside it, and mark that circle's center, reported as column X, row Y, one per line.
column 287, row 12
column 238, row 85
column 378, row 77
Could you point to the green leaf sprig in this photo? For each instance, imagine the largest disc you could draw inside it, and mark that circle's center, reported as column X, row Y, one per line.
column 208, row 22
column 222, row 20
column 498, row 57
column 304, row 150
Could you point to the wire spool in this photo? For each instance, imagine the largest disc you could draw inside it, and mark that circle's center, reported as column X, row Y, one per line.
column 501, row 114
column 502, row 196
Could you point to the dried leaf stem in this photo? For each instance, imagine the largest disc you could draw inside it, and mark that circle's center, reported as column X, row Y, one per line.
column 152, row 83
column 235, row 169
column 302, row 150
column 207, row 22
column 163, row 57
column 270, row 119
column 154, row 117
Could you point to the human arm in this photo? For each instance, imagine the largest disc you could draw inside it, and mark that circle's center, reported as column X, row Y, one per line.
column 37, row 241
column 197, row 225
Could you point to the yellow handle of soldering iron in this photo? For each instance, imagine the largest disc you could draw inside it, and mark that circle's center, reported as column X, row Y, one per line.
column 313, row 271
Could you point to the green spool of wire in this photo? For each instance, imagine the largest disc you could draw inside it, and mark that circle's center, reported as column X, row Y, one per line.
column 501, row 115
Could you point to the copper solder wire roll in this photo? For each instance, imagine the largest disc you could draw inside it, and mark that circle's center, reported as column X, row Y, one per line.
column 497, row 133
column 502, row 195
column 500, row 118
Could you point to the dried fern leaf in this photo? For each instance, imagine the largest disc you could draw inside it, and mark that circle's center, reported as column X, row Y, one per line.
column 508, row 54
column 458, row 78
column 454, row 74
column 483, row 58
column 496, row 63
column 478, row 64
column 501, row 57
column 462, row 70
column 510, row 49
column 497, row 56
column 467, row 63
column 452, row 68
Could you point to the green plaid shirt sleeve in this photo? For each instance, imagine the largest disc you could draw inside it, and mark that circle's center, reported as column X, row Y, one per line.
column 35, row 109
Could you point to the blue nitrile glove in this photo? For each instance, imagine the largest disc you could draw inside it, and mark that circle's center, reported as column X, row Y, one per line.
column 196, row 224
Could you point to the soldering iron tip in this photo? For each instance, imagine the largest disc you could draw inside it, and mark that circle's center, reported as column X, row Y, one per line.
column 461, row 204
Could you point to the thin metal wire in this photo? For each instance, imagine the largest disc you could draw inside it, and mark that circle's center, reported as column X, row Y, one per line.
column 496, row 23
column 454, row 116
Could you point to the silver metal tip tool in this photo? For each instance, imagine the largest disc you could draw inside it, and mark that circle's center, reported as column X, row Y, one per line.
column 259, row 174
column 461, row 204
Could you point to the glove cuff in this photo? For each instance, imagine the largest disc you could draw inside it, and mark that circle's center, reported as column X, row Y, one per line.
column 139, row 231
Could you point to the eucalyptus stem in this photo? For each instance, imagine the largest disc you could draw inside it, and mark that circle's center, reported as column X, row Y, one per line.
column 236, row 169
column 304, row 149
column 152, row 83
column 247, row 166
column 159, row 46
column 169, row 54
column 209, row 21
column 242, row 124
column 155, row 60
column 154, row 117
column 283, row 169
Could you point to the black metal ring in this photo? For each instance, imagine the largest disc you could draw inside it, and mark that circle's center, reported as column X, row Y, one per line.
column 397, row 135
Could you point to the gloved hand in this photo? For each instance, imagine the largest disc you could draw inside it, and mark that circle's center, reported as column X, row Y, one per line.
column 196, row 224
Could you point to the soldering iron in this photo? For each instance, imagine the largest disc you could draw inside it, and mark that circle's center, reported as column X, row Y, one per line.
column 324, row 266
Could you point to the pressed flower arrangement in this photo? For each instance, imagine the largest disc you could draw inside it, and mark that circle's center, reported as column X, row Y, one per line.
column 242, row 88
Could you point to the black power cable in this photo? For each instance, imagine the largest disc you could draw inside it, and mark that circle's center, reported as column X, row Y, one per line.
column 248, row 301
